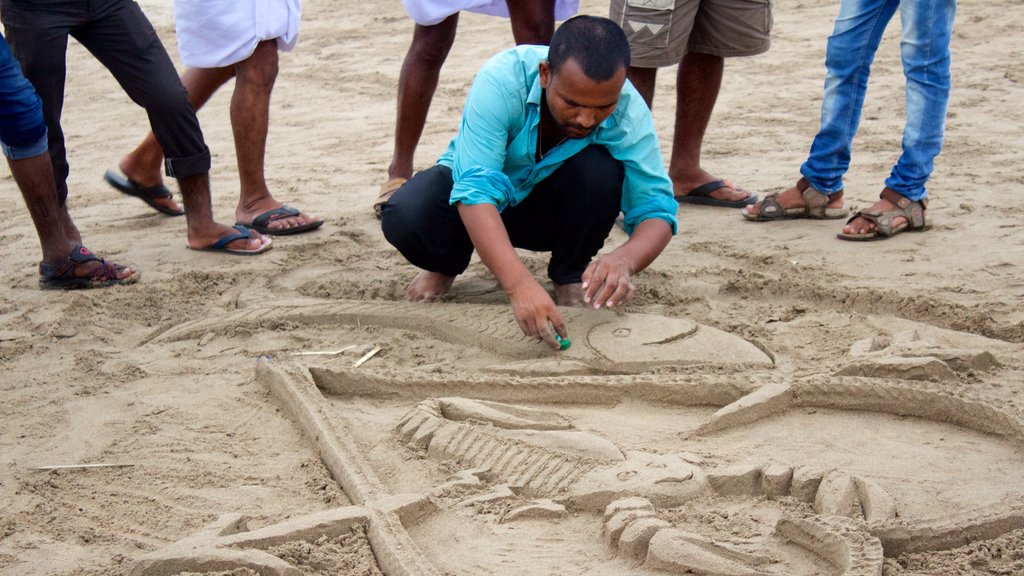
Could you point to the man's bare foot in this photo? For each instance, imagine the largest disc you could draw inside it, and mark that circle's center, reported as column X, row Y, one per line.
column 247, row 213
column 569, row 294
column 429, row 287
column 208, row 237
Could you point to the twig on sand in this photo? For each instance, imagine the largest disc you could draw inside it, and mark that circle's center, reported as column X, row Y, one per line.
column 366, row 357
column 78, row 466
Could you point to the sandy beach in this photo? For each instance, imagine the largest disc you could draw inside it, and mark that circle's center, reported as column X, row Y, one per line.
column 773, row 401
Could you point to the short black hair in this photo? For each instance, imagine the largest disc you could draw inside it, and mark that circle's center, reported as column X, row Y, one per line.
column 598, row 46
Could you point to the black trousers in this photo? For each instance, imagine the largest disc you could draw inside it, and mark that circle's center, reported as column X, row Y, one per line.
column 569, row 214
column 120, row 36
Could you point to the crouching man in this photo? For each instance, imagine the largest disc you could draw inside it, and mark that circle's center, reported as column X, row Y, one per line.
column 554, row 143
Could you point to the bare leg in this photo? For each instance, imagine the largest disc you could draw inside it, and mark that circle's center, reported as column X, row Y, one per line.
column 416, row 85
column 202, row 229
column 250, row 121
column 643, row 80
column 144, row 164
column 533, row 21
column 429, row 287
column 57, row 233
column 697, row 85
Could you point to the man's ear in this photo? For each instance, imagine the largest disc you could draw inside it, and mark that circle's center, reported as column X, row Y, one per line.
column 545, row 74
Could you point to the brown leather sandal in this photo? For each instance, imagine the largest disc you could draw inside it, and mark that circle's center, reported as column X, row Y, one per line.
column 815, row 206
column 911, row 211
column 387, row 190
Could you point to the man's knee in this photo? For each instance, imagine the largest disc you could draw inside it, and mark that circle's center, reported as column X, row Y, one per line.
column 415, row 206
column 431, row 44
column 260, row 70
column 597, row 170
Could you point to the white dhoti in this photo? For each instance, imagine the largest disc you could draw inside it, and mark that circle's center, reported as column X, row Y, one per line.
column 430, row 12
column 217, row 33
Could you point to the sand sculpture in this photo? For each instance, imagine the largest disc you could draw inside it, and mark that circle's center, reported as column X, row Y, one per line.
column 495, row 450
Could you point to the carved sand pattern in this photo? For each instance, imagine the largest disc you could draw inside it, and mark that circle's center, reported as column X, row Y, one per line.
column 841, row 541
column 396, row 553
column 602, row 340
column 533, row 453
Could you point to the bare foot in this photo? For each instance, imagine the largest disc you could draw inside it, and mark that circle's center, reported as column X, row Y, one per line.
column 569, row 294
column 249, row 211
column 429, row 287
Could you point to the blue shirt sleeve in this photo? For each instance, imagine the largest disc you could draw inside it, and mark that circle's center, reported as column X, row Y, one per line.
column 478, row 152
column 647, row 189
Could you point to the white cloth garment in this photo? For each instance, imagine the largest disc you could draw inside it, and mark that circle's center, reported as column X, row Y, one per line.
column 217, row 33
column 430, row 12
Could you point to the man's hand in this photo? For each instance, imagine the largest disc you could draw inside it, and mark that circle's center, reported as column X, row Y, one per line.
column 536, row 313
column 607, row 282
column 531, row 304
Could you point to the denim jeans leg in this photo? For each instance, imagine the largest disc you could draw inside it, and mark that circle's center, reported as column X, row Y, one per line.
column 849, row 53
column 927, row 31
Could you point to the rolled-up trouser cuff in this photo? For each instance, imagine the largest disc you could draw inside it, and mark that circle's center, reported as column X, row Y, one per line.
column 189, row 165
column 30, row 150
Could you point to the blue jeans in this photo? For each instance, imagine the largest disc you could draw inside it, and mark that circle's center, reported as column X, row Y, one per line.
column 22, row 129
column 924, row 50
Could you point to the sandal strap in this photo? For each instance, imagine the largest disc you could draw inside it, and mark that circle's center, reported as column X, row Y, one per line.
column 79, row 255
column 815, row 200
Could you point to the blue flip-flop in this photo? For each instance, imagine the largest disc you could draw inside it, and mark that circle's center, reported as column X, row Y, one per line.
column 243, row 233
column 262, row 222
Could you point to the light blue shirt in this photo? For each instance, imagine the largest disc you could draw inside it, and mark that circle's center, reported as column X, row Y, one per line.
column 494, row 156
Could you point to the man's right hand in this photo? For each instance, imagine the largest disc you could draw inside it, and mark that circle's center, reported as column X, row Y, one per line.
column 536, row 313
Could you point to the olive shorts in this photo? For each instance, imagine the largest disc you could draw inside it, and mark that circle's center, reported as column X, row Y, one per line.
column 661, row 32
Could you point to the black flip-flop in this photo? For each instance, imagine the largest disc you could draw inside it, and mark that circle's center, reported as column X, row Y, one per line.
column 262, row 222
column 149, row 195
column 702, row 195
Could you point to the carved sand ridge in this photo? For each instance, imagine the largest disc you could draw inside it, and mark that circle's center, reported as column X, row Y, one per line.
column 227, row 544
column 532, row 470
column 675, row 390
column 839, row 540
column 603, row 341
column 396, row 553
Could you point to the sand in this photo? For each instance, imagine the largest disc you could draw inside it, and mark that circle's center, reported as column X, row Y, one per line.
column 858, row 408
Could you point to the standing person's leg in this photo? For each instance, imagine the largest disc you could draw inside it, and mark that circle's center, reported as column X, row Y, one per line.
column 250, row 122
column 419, row 221
column 23, row 138
column 142, row 166
column 927, row 31
column 533, row 21
column 416, row 85
column 569, row 214
column 126, row 43
column 849, row 52
column 38, row 39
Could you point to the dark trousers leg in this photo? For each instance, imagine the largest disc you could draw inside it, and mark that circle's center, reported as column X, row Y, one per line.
column 424, row 227
column 569, row 214
column 123, row 39
column 120, row 36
